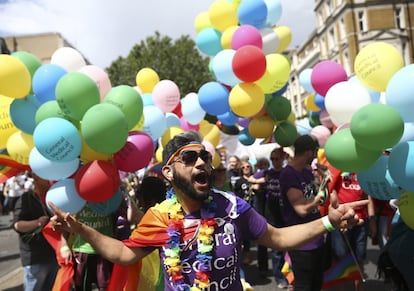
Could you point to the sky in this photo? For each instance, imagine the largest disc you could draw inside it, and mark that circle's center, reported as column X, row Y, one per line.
column 103, row 30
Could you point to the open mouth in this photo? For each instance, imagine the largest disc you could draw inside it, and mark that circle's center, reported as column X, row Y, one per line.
column 201, row 178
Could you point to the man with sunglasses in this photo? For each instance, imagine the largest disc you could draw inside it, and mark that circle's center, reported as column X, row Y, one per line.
column 197, row 229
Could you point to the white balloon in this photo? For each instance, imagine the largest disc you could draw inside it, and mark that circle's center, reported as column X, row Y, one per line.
column 270, row 40
column 68, row 58
column 191, row 109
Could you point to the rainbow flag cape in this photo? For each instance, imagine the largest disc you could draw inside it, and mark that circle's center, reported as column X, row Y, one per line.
column 9, row 167
column 344, row 270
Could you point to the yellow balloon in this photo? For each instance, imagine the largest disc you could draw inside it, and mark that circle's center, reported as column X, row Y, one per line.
column 406, row 206
column 246, row 99
column 146, row 79
column 310, row 103
column 7, row 127
column 139, row 125
column 202, row 21
column 285, row 36
column 261, row 127
column 291, row 117
column 15, row 78
column 87, row 154
column 169, row 133
column 209, row 132
column 222, row 14
column 216, row 161
column 158, row 154
column 376, row 63
column 227, row 36
column 276, row 74
column 19, row 146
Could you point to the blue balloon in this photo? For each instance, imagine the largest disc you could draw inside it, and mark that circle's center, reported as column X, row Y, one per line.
column 228, row 118
column 401, row 165
column 214, row 98
column 274, row 12
column 305, row 80
column 23, row 113
column 108, row 206
column 245, row 138
column 64, row 195
column 222, row 68
column 377, row 182
column 303, row 126
column 281, row 91
column 320, row 102
column 45, row 80
column 253, row 12
column 57, row 139
column 172, row 120
column 408, row 134
column 154, row 122
column 209, row 41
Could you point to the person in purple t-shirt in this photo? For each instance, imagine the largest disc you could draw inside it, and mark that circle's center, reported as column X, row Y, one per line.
column 300, row 206
column 199, row 230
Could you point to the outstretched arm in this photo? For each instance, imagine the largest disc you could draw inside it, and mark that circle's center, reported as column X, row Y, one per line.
column 110, row 248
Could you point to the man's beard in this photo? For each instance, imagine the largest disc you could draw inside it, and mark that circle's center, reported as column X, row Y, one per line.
column 187, row 188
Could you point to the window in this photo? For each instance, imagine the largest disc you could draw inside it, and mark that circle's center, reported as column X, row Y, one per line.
column 362, row 21
column 342, row 29
column 331, row 39
column 399, row 17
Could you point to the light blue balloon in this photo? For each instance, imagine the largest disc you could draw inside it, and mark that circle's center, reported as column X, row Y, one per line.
column 408, row 134
column 172, row 120
column 45, row 80
column 154, row 122
column 57, row 139
column 305, row 80
column 214, row 98
column 228, row 118
column 50, row 170
column 377, row 182
column 245, row 138
column 23, row 113
column 147, row 99
column 400, row 91
column 209, row 41
column 303, row 126
column 401, row 165
column 108, row 206
column 222, row 68
column 253, row 12
column 375, row 96
column 64, row 195
column 274, row 12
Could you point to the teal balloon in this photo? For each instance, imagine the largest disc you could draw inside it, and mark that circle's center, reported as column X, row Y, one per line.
column 285, row 134
column 76, row 93
column 23, row 113
column 401, row 165
column 109, row 206
column 377, row 126
column 104, row 128
column 345, row 154
column 278, row 108
column 129, row 101
column 209, row 41
column 245, row 138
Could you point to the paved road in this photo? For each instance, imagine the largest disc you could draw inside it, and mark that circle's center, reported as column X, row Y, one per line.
column 11, row 272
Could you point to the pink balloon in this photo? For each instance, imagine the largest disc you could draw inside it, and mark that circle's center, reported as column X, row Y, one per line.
column 322, row 133
column 246, row 35
column 100, row 77
column 166, row 95
column 209, row 147
column 326, row 74
column 325, row 119
column 188, row 126
column 136, row 153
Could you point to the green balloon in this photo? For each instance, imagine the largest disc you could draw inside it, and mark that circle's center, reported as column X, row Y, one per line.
column 377, row 126
column 345, row 154
column 104, row 128
column 52, row 109
column 314, row 120
column 76, row 93
column 31, row 62
column 285, row 134
column 278, row 108
column 129, row 101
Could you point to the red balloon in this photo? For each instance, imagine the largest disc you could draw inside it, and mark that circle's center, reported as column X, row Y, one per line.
column 249, row 63
column 177, row 110
column 97, row 181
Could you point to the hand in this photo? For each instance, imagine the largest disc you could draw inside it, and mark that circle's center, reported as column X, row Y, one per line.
column 62, row 221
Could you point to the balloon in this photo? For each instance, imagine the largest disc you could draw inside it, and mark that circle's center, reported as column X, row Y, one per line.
column 345, row 154
column 325, row 74
column 136, row 153
column 109, row 206
column 322, row 133
column 401, row 166
column 97, row 181
column 68, row 58
column 169, row 134
column 303, row 127
column 274, row 11
column 400, row 90
column 45, row 80
column 377, row 181
column 261, row 127
column 222, row 14
column 209, row 41
column 191, row 109
column 50, row 170
column 377, row 126
column 146, row 79
column 202, row 21
column 270, row 40
column 7, row 127
column 100, row 77
column 210, row 132
column 375, row 96
column 222, row 67
column 188, row 126
column 57, row 139
column 243, row 122
column 245, row 137
column 314, row 119
column 88, row 155
column 52, row 109
column 319, row 102
column 147, row 99
column 310, row 103
column 305, row 80
column 213, row 98
column 19, row 145
column 228, row 118
column 172, row 120
column 408, row 133
column 31, row 62
column 129, row 101
column 278, row 108
column 253, row 12
column 405, row 206
column 154, row 122
column 376, row 63
column 23, row 112
column 325, row 119
column 227, row 36
column 246, row 99
column 249, row 63
column 64, row 195
column 246, row 35
column 15, row 79
column 285, row 134
column 166, row 95
column 276, row 74
column 284, row 34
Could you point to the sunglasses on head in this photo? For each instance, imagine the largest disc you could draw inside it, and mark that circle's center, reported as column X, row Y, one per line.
column 190, row 157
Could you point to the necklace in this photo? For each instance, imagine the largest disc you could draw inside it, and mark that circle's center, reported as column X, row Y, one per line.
column 205, row 243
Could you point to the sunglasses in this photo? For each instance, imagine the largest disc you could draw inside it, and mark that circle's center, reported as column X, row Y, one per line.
column 190, row 157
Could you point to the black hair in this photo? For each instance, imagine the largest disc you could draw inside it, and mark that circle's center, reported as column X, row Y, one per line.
column 151, row 191
column 178, row 141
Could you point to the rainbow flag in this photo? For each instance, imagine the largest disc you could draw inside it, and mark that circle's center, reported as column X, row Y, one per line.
column 9, row 167
column 344, row 270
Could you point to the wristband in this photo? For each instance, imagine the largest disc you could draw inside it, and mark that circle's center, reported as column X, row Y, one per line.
column 64, row 249
column 327, row 224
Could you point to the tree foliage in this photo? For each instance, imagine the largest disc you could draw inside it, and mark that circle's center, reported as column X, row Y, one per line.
column 178, row 61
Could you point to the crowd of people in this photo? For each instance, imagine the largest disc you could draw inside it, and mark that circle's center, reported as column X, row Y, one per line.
column 195, row 226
